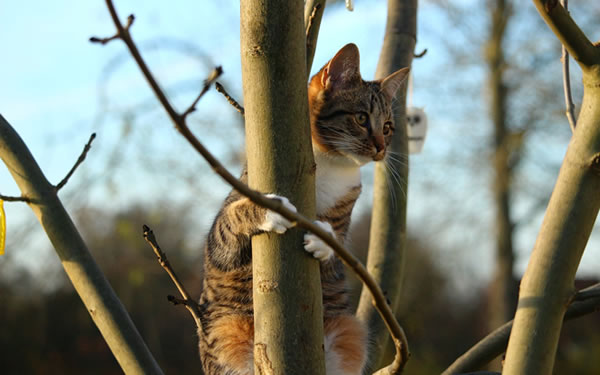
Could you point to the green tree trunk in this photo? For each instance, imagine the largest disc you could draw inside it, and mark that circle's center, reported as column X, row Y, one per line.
column 548, row 283
column 287, row 291
column 100, row 300
column 388, row 223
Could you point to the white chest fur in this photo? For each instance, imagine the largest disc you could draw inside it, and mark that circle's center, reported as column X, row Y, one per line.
column 334, row 178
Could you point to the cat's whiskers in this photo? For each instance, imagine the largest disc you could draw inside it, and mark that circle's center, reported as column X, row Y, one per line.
column 397, row 158
column 395, row 174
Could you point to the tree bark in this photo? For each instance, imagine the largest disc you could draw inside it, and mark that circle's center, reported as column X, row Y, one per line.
column 388, row 223
column 100, row 300
column 548, row 282
column 287, row 291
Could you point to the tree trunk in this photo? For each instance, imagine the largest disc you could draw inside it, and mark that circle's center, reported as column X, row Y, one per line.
column 502, row 293
column 287, row 291
column 100, row 300
column 388, row 223
column 548, row 283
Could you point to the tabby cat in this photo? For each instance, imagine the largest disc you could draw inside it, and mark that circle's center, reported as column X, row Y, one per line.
column 351, row 124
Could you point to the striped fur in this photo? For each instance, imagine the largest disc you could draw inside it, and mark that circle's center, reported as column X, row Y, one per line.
column 351, row 124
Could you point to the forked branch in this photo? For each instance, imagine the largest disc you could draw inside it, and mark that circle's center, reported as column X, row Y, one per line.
column 64, row 181
column 189, row 303
column 350, row 260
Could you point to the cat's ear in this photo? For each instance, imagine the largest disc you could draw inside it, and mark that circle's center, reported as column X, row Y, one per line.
column 344, row 68
column 392, row 83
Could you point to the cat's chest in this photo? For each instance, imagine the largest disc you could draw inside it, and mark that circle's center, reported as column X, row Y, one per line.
column 332, row 183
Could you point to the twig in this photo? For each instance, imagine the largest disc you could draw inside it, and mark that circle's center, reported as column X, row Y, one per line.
column 80, row 160
column 379, row 300
column 118, row 35
column 230, row 99
column 569, row 106
column 212, row 77
column 191, row 305
column 421, row 54
column 494, row 344
column 8, row 198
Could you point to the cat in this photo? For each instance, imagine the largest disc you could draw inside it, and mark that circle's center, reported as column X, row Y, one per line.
column 351, row 124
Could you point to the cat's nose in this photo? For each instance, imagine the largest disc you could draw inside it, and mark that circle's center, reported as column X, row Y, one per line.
column 379, row 143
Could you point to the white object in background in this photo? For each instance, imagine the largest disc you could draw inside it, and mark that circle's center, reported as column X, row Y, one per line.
column 416, row 129
column 349, row 5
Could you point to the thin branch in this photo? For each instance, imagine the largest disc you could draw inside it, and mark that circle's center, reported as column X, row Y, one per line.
column 421, row 54
column 190, row 304
column 214, row 74
column 569, row 106
column 229, row 98
column 118, row 35
column 379, row 300
column 567, row 31
column 8, row 198
column 494, row 344
column 80, row 160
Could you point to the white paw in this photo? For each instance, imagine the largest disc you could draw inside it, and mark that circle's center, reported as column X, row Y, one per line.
column 316, row 246
column 275, row 222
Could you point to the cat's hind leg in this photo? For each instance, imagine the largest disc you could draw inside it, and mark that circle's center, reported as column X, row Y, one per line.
column 345, row 345
column 233, row 337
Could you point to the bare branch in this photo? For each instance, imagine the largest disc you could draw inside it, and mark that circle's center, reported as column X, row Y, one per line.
column 494, row 344
column 7, row 198
column 190, row 304
column 80, row 160
column 569, row 106
column 229, row 98
column 118, row 35
column 379, row 300
column 421, row 54
column 214, row 74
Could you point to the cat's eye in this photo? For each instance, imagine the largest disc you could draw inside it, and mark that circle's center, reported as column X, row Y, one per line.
column 387, row 127
column 361, row 118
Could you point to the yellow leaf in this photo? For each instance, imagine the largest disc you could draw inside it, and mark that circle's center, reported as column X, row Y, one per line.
column 2, row 227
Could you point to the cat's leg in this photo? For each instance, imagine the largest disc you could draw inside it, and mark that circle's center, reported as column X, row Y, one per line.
column 345, row 345
column 232, row 336
column 229, row 238
column 316, row 246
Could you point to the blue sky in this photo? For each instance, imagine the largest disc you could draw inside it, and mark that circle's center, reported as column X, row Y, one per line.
column 50, row 92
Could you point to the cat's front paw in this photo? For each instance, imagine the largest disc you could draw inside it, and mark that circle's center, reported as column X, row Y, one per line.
column 275, row 222
column 316, row 246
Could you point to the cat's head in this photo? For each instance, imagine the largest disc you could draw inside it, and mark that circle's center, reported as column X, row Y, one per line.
column 350, row 117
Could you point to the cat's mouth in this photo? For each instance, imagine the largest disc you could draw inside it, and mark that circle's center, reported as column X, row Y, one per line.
column 379, row 156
